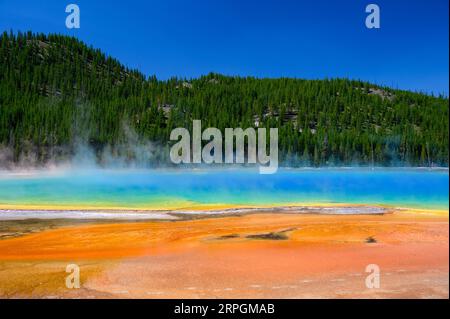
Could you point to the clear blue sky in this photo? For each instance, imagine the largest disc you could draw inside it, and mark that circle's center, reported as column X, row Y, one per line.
column 304, row 39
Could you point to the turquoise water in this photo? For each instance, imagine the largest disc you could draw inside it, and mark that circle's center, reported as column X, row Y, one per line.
column 416, row 188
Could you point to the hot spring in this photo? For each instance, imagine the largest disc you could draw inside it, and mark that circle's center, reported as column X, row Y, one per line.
column 203, row 189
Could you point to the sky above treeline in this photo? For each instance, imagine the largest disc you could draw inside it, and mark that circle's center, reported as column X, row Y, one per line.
column 297, row 38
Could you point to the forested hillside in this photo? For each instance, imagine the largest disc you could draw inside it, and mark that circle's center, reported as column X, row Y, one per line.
column 56, row 92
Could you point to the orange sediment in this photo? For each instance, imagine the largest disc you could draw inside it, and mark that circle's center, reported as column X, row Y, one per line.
column 255, row 255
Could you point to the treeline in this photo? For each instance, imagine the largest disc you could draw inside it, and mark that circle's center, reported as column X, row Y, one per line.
column 56, row 92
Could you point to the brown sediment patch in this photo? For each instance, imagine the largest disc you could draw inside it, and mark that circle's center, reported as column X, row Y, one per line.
column 279, row 235
column 323, row 256
column 230, row 236
column 268, row 236
column 371, row 240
